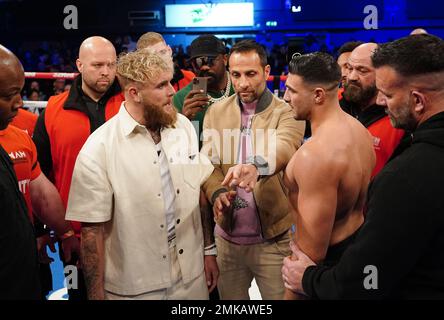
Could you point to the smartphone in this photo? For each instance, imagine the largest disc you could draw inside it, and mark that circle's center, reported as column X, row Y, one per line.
column 200, row 83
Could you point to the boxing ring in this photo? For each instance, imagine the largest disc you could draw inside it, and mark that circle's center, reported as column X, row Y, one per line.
column 36, row 106
column 275, row 83
column 59, row 292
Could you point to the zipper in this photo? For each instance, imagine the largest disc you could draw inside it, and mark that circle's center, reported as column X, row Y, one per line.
column 259, row 216
column 250, row 124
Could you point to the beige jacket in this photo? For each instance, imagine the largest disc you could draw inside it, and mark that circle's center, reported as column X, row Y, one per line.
column 276, row 136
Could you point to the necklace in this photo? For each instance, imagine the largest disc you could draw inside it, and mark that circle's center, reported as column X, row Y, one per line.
column 226, row 93
column 155, row 135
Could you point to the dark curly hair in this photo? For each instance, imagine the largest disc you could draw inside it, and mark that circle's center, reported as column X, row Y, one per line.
column 315, row 68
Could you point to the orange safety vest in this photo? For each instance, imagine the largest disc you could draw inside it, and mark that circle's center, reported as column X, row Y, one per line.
column 68, row 130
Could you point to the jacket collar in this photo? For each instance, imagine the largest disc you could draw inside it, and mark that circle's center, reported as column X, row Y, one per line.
column 129, row 125
column 75, row 100
column 371, row 114
column 127, row 122
column 431, row 131
column 263, row 102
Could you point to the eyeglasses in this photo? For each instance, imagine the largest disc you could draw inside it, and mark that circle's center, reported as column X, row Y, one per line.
column 204, row 61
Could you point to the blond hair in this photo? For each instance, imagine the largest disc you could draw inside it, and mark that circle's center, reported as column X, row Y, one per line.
column 148, row 39
column 140, row 66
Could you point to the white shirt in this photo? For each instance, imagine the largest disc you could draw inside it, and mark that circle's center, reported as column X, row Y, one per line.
column 169, row 196
column 117, row 180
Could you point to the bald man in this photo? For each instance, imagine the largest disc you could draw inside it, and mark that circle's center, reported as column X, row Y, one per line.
column 344, row 53
column 40, row 194
column 359, row 100
column 72, row 116
column 19, row 276
column 418, row 31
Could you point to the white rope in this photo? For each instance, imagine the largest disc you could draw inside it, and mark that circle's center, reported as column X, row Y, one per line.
column 34, row 106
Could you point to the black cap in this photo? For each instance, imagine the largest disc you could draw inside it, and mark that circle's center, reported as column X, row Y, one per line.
column 206, row 45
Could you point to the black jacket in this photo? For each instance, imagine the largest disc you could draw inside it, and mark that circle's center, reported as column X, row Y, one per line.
column 367, row 116
column 19, row 271
column 403, row 235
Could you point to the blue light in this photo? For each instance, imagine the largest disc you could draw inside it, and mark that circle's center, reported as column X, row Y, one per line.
column 296, row 9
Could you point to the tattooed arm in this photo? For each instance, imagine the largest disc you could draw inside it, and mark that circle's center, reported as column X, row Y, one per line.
column 207, row 220
column 93, row 259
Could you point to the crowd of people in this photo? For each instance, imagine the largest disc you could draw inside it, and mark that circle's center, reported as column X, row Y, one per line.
column 156, row 189
column 60, row 57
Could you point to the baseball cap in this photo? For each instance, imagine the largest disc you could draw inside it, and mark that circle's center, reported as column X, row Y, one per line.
column 206, row 45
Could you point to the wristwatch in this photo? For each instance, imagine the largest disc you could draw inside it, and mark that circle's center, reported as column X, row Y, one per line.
column 210, row 250
column 261, row 165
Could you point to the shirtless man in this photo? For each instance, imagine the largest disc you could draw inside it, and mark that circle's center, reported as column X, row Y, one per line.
column 328, row 176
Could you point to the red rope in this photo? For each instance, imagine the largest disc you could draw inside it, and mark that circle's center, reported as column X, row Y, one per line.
column 70, row 76
column 50, row 75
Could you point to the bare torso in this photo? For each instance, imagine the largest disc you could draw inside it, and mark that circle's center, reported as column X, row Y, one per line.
column 333, row 168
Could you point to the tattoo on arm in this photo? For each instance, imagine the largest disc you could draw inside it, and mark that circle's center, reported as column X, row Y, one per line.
column 92, row 251
column 206, row 213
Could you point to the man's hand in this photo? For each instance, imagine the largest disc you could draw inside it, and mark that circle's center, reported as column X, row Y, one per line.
column 294, row 268
column 222, row 203
column 211, row 272
column 71, row 245
column 194, row 102
column 42, row 242
column 244, row 176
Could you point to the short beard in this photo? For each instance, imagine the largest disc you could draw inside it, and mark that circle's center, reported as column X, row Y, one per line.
column 359, row 95
column 405, row 120
column 99, row 90
column 213, row 79
column 156, row 118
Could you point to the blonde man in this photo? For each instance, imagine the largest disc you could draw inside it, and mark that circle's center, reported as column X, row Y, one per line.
column 136, row 191
column 153, row 42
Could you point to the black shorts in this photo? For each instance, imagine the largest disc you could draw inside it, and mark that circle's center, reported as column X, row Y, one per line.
column 334, row 252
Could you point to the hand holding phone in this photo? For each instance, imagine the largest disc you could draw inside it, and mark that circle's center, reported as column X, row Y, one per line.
column 200, row 83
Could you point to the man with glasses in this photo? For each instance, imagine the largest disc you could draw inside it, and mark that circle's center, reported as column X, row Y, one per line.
column 209, row 59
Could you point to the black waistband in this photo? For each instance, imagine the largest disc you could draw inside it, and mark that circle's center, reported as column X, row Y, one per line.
column 334, row 252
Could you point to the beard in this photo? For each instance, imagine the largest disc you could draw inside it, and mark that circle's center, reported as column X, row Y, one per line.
column 98, row 86
column 156, row 117
column 404, row 118
column 356, row 93
column 213, row 79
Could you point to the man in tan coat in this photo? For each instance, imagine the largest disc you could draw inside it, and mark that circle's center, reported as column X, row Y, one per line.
column 251, row 133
